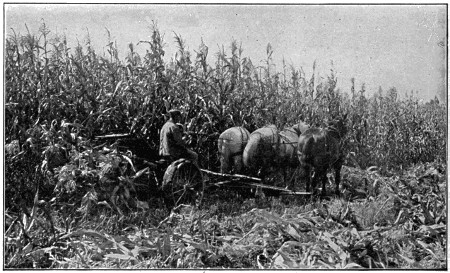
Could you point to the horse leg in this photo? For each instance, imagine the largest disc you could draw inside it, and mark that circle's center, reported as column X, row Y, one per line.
column 224, row 157
column 324, row 182
column 237, row 163
column 337, row 180
column 316, row 178
column 305, row 173
column 293, row 177
column 337, row 176
column 265, row 166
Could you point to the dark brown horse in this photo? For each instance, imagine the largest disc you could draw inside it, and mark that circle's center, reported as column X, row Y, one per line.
column 320, row 149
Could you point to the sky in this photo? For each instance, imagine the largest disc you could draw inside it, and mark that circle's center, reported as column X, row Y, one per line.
column 401, row 46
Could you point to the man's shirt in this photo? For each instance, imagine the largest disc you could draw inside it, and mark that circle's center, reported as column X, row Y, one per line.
column 171, row 142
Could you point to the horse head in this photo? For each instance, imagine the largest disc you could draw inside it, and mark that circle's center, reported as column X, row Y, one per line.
column 338, row 126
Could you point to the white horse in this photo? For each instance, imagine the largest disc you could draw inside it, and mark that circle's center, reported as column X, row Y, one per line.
column 271, row 150
column 231, row 146
column 259, row 151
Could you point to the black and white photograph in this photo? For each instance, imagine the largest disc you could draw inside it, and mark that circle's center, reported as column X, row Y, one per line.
column 220, row 136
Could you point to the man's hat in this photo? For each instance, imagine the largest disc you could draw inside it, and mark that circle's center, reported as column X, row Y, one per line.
column 174, row 112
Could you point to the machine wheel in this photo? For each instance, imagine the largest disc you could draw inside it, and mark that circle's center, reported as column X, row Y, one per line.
column 183, row 184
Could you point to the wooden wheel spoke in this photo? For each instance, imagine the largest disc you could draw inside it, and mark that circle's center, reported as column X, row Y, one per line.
column 178, row 191
column 180, row 198
column 186, row 185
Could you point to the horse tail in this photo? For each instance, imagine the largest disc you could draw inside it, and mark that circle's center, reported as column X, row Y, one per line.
column 245, row 135
column 251, row 150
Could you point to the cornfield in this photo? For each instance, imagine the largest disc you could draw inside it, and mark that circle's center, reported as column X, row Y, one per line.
column 69, row 206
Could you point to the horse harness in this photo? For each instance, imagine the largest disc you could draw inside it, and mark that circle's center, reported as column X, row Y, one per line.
column 274, row 133
column 243, row 143
column 287, row 140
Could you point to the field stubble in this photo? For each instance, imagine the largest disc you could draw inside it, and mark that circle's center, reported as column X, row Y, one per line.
column 72, row 204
